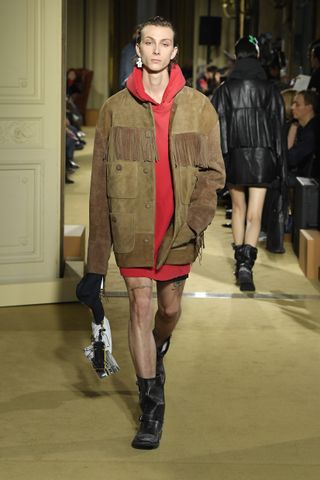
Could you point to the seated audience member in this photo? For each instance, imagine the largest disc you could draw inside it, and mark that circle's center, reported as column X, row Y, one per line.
column 209, row 81
column 288, row 96
column 74, row 84
column 303, row 135
column 74, row 89
column 71, row 142
column 274, row 75
column 315, row 64
column 73, row 114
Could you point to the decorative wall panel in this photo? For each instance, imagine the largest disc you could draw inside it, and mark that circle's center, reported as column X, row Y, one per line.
column 20, row 235
column 21, row 133
column 22, row 60
column 32, row 93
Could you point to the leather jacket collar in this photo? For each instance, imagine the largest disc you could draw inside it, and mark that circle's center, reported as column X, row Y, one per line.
column 248, row 69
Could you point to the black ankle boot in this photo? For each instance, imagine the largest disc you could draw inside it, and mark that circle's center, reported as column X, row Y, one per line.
column 238, row 256
column 245, row 269
column 161, row 351
column 151, row 399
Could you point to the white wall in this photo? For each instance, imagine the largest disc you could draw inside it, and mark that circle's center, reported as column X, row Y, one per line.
column 98, row 51
column 32, row 98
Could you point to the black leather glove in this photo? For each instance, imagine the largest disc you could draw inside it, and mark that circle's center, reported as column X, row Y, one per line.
column 88, row 292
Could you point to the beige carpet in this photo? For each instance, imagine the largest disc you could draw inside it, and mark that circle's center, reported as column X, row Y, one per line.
column 242, row 378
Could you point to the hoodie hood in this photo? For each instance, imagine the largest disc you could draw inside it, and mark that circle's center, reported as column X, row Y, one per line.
column 176, row 83
column 248, row 69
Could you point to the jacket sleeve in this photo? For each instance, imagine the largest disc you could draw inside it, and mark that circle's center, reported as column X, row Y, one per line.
column 220, row 104
column 210, row 175
column 99, row 246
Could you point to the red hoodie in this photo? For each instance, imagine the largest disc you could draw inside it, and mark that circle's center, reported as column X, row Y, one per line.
column 164, row 190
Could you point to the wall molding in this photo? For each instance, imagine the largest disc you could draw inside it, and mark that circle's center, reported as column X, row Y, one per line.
column 21, row 239
column 22, row 64
column 21, row 133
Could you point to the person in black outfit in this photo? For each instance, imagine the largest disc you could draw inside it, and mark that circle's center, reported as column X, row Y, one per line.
column 315, row 64
column 252, row 119
column 74, row 89
column 304, row 131
column 127, row 62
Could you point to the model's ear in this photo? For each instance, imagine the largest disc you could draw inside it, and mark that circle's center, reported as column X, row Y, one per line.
column 174, row 53
column 138, row 50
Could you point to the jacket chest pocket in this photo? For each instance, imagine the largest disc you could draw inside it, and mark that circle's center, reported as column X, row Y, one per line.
column 122, row 179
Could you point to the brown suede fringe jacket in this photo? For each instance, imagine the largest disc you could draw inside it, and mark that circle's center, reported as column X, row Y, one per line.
column 122, row 194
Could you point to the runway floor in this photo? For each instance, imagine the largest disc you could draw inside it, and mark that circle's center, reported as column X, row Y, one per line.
column 242, row 391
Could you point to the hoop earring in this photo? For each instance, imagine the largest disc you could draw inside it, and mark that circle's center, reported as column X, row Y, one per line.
column 139, row 62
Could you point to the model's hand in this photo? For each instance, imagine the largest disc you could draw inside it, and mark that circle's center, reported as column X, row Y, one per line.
column 88, row 292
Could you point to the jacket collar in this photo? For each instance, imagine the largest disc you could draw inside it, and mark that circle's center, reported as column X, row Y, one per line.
column 248, row 69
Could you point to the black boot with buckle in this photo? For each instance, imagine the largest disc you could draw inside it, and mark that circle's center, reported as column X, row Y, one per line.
column 245, row 270
column 238, row 256
column 151, row 399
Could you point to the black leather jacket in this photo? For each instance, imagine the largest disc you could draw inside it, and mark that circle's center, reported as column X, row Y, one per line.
column 252, row 124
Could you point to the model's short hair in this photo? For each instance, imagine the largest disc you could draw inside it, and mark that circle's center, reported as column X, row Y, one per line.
column 158, row 22
column 247, row 47
column 310, row 98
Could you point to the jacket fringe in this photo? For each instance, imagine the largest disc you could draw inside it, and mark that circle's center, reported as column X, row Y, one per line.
column 194, row 149
column 200, row 246
column 130, row 143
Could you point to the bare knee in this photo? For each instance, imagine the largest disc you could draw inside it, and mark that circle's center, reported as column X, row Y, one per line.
column 238, row 209
column 141, row 309
column 170, row 312
column 254, row 218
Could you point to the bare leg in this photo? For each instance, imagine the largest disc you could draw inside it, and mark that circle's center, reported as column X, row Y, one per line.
column 254, row 213
column 169, row 309
column 141, row 340
column 239, row 208
column 143, row 352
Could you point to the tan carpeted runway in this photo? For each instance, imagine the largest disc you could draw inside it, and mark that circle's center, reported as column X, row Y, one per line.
column 242, row 377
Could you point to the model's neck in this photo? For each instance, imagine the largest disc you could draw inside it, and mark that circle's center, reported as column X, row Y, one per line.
column 155, row 83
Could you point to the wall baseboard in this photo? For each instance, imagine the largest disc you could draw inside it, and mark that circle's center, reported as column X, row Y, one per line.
column 59, row 290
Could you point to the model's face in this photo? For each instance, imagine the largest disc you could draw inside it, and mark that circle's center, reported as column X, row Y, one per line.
column 156, row 48
column 300, row 110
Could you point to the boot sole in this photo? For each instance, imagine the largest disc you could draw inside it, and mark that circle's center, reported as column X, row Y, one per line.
column 247, row 288
column 145, row 446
